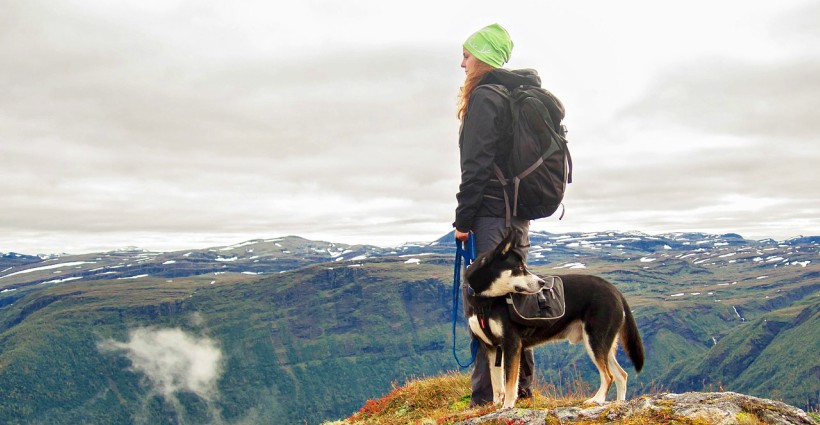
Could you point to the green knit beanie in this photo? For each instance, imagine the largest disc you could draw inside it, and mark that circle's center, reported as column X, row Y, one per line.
column 491, row 45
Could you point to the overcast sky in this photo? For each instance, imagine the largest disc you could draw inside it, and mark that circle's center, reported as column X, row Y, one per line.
column 169, row 124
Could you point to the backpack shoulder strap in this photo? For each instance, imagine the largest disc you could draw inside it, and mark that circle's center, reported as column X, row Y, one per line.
column 500, row 176
column 505, row 93
column 498, row 88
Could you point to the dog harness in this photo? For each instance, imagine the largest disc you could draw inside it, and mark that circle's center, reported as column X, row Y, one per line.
column 483, row 316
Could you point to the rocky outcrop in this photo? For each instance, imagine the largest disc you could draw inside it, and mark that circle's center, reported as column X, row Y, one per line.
column 725, row 408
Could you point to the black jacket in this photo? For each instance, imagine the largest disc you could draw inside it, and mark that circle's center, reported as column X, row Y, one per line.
column 485, row 139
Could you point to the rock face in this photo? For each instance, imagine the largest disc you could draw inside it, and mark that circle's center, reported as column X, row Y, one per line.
column 725, row 408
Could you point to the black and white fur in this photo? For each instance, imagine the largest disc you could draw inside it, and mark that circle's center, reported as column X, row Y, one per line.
column 596, row 313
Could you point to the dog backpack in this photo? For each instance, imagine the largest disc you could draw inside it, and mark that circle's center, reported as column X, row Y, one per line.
column 541, row 309
column 540, row 162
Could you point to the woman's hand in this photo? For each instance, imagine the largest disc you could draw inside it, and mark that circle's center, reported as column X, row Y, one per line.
column 462, row 236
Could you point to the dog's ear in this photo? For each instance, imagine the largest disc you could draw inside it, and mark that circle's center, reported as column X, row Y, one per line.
column 507, row 243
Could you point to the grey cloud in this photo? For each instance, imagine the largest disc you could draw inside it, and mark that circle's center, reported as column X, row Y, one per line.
column 130, row 137
column 719, row 192
column 706, row 178
column 753, row 152
column 759, row 99
column 800, row 26
column 183, row 118
column 734, row 97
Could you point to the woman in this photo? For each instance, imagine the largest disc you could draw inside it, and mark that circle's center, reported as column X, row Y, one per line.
column 485, row 142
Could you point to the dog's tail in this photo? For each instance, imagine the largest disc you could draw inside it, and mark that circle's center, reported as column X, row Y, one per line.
column 631, row 338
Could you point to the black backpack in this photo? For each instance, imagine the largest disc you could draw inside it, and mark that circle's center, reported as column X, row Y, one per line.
column 540, row 162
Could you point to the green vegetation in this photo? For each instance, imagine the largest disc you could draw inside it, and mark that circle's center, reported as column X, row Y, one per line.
column 315, row 343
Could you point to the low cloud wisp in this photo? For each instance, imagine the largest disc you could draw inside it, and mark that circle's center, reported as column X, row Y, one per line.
column 172, row 360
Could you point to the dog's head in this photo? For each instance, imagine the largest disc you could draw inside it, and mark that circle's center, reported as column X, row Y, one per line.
column 502, row 271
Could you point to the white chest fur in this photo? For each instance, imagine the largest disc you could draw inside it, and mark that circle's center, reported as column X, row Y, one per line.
column 494, row 327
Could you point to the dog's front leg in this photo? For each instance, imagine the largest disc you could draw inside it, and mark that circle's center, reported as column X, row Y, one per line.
column 512, row 363
column 496, row 375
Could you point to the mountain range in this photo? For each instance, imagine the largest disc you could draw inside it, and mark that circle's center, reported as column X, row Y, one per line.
column 293, row 330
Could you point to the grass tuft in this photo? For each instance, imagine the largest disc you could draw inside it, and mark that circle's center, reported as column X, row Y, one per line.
column 445, row 399
column 419, row 401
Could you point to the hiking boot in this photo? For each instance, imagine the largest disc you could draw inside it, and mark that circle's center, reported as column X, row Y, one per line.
column 524, row 393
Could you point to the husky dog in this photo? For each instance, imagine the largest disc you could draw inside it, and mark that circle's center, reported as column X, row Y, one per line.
column 595, row 313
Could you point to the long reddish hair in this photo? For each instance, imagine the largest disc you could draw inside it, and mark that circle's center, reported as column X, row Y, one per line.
column 470, row 83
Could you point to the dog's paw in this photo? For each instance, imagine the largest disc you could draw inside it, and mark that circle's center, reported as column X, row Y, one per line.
column 595, row 401
column 509, row 406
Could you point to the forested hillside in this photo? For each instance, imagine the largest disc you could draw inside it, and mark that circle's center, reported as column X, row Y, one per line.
column 291, row 330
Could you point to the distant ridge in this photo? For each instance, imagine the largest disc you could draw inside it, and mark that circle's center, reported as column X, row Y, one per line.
column 449, row 240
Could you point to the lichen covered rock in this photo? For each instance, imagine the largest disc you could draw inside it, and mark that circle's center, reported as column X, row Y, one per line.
column 724, row 408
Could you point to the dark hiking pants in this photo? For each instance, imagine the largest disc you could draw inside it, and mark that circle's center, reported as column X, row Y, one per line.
column 489, row 231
